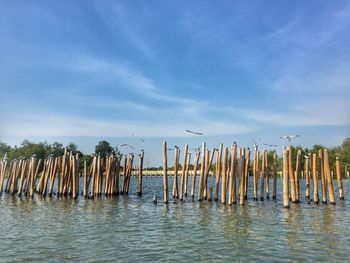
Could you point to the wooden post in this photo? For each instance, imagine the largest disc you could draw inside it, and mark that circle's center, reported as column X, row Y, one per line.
column 140, row 173
column 241, row 175
column 194, row 176
column 223, row 179
column 323, row 177
column 314, row 177
column 256, row 173
column 165, row 174
column 339, row 179
column 232, row 185
column 175, row 182
column 205, row 175
column 183, row 173
column 329, row 177
column 85, row 188
column 187, row 172
column 262, row 190
column 307, row 178
column 2, row 175
column 285, row 179
column 274, row 175
column 209, row 160
column 201, row 177
column 267, row 176
column 297, row 171
column 53, row 175
column 291, row 175
column 246, row 174
column 217, row 172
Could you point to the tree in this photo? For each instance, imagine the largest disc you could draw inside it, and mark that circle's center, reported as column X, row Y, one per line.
column 103, row 148
column 4, row 149
column 57, row 149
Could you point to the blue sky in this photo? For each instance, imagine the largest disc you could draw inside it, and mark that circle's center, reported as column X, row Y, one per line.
column 91, row 70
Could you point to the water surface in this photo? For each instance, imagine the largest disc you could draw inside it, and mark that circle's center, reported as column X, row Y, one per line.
column 129, row 228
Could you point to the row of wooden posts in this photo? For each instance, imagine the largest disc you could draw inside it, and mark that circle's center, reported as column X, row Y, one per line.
column 232, row 169
column 102, row 177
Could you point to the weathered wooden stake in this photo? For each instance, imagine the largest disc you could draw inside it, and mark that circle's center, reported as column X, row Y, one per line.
column 339, row 179
column 297, row 171
column 314, row 177
column 217, row 172
column 201, row 177
column 232, row 185
column 291, row 175
column 139, row 193
column 187, row 173
column 329, row 177
column 194, row 176
column 256, row 173
column 183, row 173
column 307, row 178
column 246, row 174
column 165, row 173
column 285, row 179
column 274, row 175
column 223, row 175
column 323, row 177
column 263, row 163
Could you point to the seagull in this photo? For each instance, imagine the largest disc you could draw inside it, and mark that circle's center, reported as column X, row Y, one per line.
column 290, row 137
column 127, row 145
column 142, row 140
column 271, row 145
column 194, row 132
column 256, row 143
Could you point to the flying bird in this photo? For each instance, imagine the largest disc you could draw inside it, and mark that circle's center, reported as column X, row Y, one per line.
column 194, row 132
column 142, row 140
column 290, row 137
column 256, row 142
column 127, row 145
column 271, row 145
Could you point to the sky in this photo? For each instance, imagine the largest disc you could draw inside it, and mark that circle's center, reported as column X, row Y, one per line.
column 84, row 71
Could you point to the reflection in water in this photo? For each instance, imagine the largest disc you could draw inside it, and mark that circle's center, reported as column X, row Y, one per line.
column 129, row 228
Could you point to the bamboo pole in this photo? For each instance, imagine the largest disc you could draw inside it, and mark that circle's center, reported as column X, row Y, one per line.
column 307, row 178
column 297, row 171
column 3, row 172
column 140, row 173
column 314, row 176
column 339, row 179
column 329, row 177
column 175, row 181
column 217, row 172
column 165, row 175
column 209, row 160
column 53, row 175
column 255, row 173
column 246, row 174
column 274, row 167
column 323, row 177
column 85, row 188
column 187, row 171
column 241, row 175
column 195, row 174
column 262, row 189
column 201, row 177
column 291, row 175
column 23, row 171
column 223, row 175
column 232, row 185
column 285, row 179
column 183, row 172
column 267, row 176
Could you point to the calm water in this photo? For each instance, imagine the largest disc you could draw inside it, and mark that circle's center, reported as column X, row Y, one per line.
column 129, row 229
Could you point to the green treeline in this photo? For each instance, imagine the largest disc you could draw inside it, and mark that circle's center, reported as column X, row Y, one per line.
column 43, row 149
